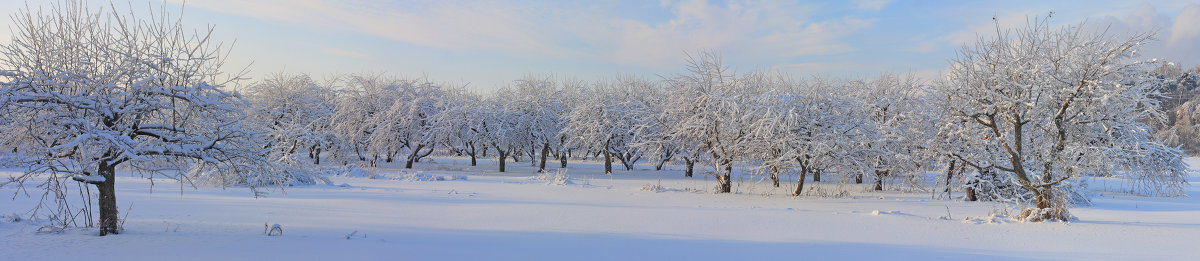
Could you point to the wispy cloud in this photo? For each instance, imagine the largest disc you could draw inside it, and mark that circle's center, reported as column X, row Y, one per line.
column 748, row 30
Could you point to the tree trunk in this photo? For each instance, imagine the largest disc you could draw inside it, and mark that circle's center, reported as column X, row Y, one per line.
column 626, row 161
column 800, row 181
column 532, row 154
column 858, row 178
column 971, row 194
column 607, row 162
column 317, row 157
column 687, row 170
column 950, row 175
column 1042, row 196
column 502, row 155
column 109, row 220
column 408, row 164
column 724, row 175
column 775, row 176
column 545, row 152
column 816, row 175
column 469, row 149
column 563, row 159
column 879, row 174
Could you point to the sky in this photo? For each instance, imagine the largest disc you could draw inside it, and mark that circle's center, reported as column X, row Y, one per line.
column 488, row 44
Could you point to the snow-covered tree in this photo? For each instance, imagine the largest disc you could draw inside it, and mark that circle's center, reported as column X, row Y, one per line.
column 1048, row 105
column 296, row 111
column 459, row 126
column 539, row 114
column 607, row 119
column 713, row 110
column 409, row 119
column 87, row 91
column 499, row 127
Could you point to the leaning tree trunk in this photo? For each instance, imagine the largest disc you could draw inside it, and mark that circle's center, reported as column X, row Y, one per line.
column 950, row 175
column 109, row 222
column 724, row 178
column 408, row 164
column 800, row 181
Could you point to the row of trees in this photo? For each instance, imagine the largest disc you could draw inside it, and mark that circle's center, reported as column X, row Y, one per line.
column 1023, row 116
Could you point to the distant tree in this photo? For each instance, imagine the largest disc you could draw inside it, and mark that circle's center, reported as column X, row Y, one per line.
column 540, row 114
column 499, row 126
column 296, row 112
column 1048, row 105
column 86, row 92
column 459, row 125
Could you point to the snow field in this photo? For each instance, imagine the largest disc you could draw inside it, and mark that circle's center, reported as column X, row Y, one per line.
column 513, row 216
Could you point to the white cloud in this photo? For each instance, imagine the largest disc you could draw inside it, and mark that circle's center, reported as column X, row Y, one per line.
column 1185, row 33
column 749, row 31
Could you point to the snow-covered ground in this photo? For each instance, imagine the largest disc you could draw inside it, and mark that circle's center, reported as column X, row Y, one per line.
column 473, row 213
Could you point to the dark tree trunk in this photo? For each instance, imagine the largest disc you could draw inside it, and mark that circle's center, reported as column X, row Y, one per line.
column 607, row 162
column 858, row 178
column 317, row 157
column 502, row 155
column 689, row 166
column 562, row 159
column 800, row 181
column 625, row 161
column 775, row 176
column 412, row 157
column 469, row 149
column 532, row 154
column 109, row 220
column 950, row 175
column 879, row 174
column 359, row 152
column 484, row 152
column 545, row 152
column 971, row 194
column 816, row 175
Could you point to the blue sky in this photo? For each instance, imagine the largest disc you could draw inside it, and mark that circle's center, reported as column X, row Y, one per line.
column 490, row 43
